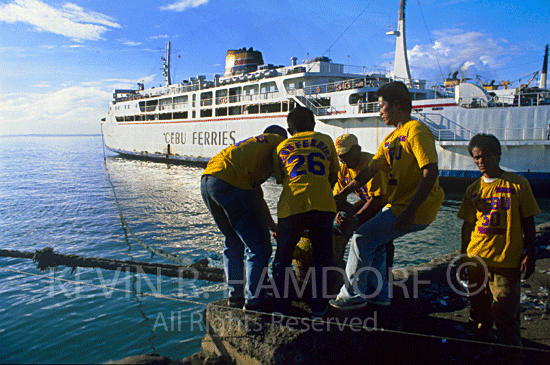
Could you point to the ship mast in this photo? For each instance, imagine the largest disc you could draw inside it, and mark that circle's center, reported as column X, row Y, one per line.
column 166, row 65
column 401, row 62
column 542, row 83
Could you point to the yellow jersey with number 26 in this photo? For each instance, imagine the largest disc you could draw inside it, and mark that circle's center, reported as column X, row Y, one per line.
column 303, row 164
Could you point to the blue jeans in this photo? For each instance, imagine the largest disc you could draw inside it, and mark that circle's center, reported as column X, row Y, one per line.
column 239, row 216
column 366, row 265
column 289, row 232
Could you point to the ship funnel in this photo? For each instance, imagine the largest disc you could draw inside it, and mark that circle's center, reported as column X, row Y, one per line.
column 542, row 84
column 401, row 63
column 242, row 61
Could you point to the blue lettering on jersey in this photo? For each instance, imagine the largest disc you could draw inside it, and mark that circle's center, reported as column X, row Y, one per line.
column 303, row 143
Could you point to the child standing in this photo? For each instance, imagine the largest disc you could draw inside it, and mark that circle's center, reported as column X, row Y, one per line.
column 498, row 211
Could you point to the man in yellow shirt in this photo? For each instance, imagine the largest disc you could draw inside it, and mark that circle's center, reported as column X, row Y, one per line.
column 231, row 189
column 498, row 211
column 307, row 166
column 407, row 156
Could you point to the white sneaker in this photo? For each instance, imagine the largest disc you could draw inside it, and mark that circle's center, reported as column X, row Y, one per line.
column 348, row 303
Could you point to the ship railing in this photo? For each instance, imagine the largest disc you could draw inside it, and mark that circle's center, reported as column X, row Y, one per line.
column 323, row 67
column 503, row 134
column 532, row 98
column 445, row 129
column 314, row 102
column 321, row 110
column 372, row 107
column 345, row 85
column 220, row 100
column 349, row 110
column 475, row 102
column 183, row 88
column 359, row 108
column 206, row 102
column 234, row 98
column 309, row 102
column 181, row 105
column 270, row 95
column 174, row 106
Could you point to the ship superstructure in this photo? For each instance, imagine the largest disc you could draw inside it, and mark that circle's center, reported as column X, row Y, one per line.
column 195, row 119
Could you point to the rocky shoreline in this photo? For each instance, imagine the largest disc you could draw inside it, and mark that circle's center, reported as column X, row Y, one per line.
column 426, row 323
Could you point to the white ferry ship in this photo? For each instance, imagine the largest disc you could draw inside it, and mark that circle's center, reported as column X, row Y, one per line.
column 195, row 119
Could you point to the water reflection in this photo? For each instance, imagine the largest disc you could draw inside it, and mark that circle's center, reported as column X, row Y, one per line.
column 145, row 323
column 162, row 205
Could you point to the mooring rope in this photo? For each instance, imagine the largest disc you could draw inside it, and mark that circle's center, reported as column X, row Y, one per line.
column 350, row 326
column 153, row 250
column 46, row 258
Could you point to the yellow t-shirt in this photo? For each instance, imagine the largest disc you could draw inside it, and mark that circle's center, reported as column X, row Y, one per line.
column 303, row 164
column 375, row 187
column 401, row 155
column 497, row 208
column 247, row 163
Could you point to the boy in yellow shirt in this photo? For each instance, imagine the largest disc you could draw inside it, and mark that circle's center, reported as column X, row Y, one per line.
column 372, row 196
column 498, row 211
column 231, row 189
column 307, row 166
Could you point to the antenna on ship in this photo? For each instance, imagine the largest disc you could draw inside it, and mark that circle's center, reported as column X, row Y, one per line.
column 401, row 64
column 542, row 83
column 166, row 65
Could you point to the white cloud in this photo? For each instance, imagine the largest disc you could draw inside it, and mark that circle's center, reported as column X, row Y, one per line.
column 70, row 20
column 183, row 5
column 71, row 110
column 43, row 84
column 470, row 53
column 128, row 42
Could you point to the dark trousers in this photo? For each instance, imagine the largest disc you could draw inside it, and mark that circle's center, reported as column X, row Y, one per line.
column 289, row 230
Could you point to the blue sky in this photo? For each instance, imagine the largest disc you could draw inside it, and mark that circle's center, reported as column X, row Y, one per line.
column 62, row 60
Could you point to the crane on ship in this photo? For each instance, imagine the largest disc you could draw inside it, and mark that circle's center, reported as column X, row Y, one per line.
column 491, row 85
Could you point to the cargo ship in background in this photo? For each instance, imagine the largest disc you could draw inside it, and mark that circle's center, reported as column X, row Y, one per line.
column 193, row 120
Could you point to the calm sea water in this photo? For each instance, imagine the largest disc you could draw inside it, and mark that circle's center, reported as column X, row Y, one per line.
column 56, row 192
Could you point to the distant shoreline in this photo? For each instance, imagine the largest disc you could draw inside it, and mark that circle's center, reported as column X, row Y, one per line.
column 49, row 135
